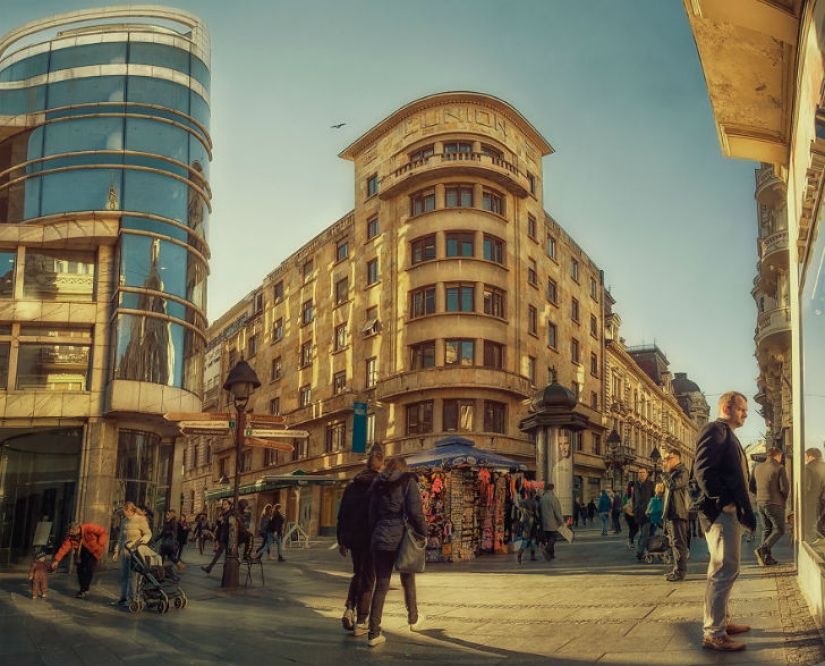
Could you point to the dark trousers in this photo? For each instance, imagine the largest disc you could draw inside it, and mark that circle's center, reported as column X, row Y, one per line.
column 86, row 569
column 384, row 561
column 773, row 525
column 218, row 552
column 617, row 525
column 550, row 537
column 677, row 530
column 632, row 527
column 362, row 583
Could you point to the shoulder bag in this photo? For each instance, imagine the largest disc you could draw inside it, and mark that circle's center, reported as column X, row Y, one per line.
column 411, row 551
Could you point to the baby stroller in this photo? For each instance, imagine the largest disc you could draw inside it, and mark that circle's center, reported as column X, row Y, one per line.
column 658, row 546
column 157, row 586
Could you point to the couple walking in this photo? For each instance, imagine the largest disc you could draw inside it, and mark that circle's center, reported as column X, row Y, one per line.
column 540, row 514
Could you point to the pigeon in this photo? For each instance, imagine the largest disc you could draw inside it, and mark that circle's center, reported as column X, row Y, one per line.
column 338, row 126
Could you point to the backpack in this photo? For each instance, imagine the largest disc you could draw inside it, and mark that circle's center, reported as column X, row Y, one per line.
column 353, row 515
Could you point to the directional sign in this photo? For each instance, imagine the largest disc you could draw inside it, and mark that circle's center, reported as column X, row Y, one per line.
column 207, row 424
column 276, row 434
column 205, row 432
column 269, row 444
column 265, row 418
column 197, row 416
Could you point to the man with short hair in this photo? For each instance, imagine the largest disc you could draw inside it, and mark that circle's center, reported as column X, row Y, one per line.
column 551, row 519
column 721, row 472
column 814, row 495
column 769, row 483
column 675, row 511
column 642, row 493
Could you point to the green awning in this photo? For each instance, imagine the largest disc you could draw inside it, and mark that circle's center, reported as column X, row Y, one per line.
column 273, row 482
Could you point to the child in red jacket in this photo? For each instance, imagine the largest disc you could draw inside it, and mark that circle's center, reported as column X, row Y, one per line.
column 39, row 575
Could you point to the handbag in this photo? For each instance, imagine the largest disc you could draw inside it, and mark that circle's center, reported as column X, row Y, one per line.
column 411, row 552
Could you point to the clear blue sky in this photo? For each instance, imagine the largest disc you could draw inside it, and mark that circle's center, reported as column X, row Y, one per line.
column 615, row 86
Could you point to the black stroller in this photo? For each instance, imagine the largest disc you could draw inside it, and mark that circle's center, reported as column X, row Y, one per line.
column 658, row 546
column 156, row 586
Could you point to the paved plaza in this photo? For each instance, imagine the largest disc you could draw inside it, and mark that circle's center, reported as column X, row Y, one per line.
column 595, row 604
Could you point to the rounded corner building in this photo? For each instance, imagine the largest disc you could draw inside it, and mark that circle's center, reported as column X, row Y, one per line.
column 104, row 213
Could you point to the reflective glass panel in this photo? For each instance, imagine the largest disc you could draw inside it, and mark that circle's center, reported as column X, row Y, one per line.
column 26, row 68
column 84, row 134
column 155, row 194
column 5, row 349
column 52, row 367
column 81, row 91
column 59, row 275
column 200, row 72
column 162, row 55
column 52, row 330
column 151, row 263
column 149, row 349
column 7, row 260
column 154, row 226
column 73, row 191
column 158, row 138
column 159, row 92
column 86, row 55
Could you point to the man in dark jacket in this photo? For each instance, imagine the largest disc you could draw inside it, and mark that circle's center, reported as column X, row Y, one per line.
column 641, row 498
column 221, row 535
column 354, row 537
column 769, row 483
column 721, row 472
column 675, row 511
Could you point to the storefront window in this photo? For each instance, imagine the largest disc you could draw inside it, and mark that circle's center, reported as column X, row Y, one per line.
column 143, row 472
column 59, row 275
column 7, row 260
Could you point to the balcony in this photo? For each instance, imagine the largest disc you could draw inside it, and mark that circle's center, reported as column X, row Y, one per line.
column 397, row 386
column 468, row 165
column 773, row 328
column 775, row 250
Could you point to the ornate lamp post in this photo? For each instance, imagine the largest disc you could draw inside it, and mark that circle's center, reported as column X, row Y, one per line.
column 655, row 457
column 614, row 455
column 240, row 383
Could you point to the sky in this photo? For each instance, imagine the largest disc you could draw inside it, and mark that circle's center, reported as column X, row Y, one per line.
column 615, row 86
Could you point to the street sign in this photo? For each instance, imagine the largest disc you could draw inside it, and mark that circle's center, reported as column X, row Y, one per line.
column 205, row 432
column 207, row 424
column 264, row 418
column 276, row 434
column 197, row 416
column 268, row 444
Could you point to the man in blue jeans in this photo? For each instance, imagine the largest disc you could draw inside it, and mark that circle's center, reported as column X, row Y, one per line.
column 769, row 483
column 642, row 493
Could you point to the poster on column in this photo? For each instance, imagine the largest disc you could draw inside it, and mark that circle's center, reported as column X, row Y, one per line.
column 562, row 470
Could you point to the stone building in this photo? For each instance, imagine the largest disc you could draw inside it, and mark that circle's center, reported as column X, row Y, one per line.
column 442, row 303
column 104, row 210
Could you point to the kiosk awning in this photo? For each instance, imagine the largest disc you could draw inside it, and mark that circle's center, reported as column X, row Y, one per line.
column 456, row 451
column 271, row 482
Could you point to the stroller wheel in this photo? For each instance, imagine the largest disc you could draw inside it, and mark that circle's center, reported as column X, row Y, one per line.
column 178, row 602
column 163, row 605
column 648, row 559
column 135, row 607
column 667, row 559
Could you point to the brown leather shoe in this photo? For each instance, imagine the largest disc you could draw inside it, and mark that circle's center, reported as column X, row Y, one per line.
column 737, row 629
column 722, row 644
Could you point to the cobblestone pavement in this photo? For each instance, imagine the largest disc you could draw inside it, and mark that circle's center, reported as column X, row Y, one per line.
column 594, row 604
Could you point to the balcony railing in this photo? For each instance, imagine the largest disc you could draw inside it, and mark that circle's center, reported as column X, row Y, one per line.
column 774, row 244
column 773, row 322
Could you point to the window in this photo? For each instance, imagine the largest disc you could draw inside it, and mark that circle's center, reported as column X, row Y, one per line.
column 340, row 336
column 574, row 269
column 372, row 185
column 195, row 456
column 551, row 334
column 307, row 313
column 252, row 345
column 458, row 415
column 372, row 228
column 574, row 310
column 422, row 355
column 372, row 271
column 270, row 457
column 594, row 400
column 423, row 249
column 420, row 418
column 305, row 395
column 372, row 325
column 531, row 183
column 275, row 406
column 532, row 320
column 458, row 196
column 531, row 227
column 495, row 416
column 422, row 154
column 532, row 272
column 495, row 153
column 493, row 355
column 552, row 290
column 335, row 437
column 342, row 250
column 460, row 298
column 596, row 443
column 339, row 382
column 259, row 302
column 300, row 449
column 278, row 292
column 594, row 365
column 422, row 302
column 460, row 243
column 575, row 355
column 594, row 294
column 493, row 302
column 306, row 354
column 341, row 291
column 594, row 326
column 371, row 378
column 551, row 247
column 492, row 201
column 277, row 330
column 246, row 461
column 531, row 369
column 493, row 249
column 422, row 202
column 459, row 352
column 575, row 389
column 276, row 369
column 454, row 147
column 307, row 269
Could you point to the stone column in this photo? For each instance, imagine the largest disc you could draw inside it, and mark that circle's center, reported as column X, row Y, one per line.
column 97, row 473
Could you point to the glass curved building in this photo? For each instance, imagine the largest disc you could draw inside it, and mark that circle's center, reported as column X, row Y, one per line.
column 104, row 216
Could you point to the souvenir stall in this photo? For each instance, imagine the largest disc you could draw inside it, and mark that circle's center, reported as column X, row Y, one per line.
column 467, row 495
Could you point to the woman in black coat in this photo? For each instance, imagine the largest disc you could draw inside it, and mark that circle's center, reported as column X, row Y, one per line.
column 394, row 495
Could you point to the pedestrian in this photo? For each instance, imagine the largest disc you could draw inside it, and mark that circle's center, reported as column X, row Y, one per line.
column 675, row 477
column 394, row 500
column 168, row 538
column 769, row 482
column 203, row 532
column 629, row 516
column 276, row 528
column 578, row 511
column 721, row 472
column 264, row 533
column 354, row 538
column 814, row 495
column 654, row 508
column 88, row 541
column 221, row 535
column 528, row 525
column 39, row 575
column 604, row 506
column 591, row 512
column 183, row 534
column 616, row 511
column 642, row 493
column 551, row 520
column 245, row 537
column 134, row 531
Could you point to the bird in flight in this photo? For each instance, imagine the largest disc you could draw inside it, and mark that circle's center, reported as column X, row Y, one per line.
column 338, row 126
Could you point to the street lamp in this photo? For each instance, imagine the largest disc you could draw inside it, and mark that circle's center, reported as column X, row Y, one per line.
column 655, row 456
column 614, row 454
column 240, row 383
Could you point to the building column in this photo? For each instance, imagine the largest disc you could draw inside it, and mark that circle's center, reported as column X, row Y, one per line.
column 97, row 472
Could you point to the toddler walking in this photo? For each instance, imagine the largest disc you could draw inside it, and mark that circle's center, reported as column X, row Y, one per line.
column 39, row 575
